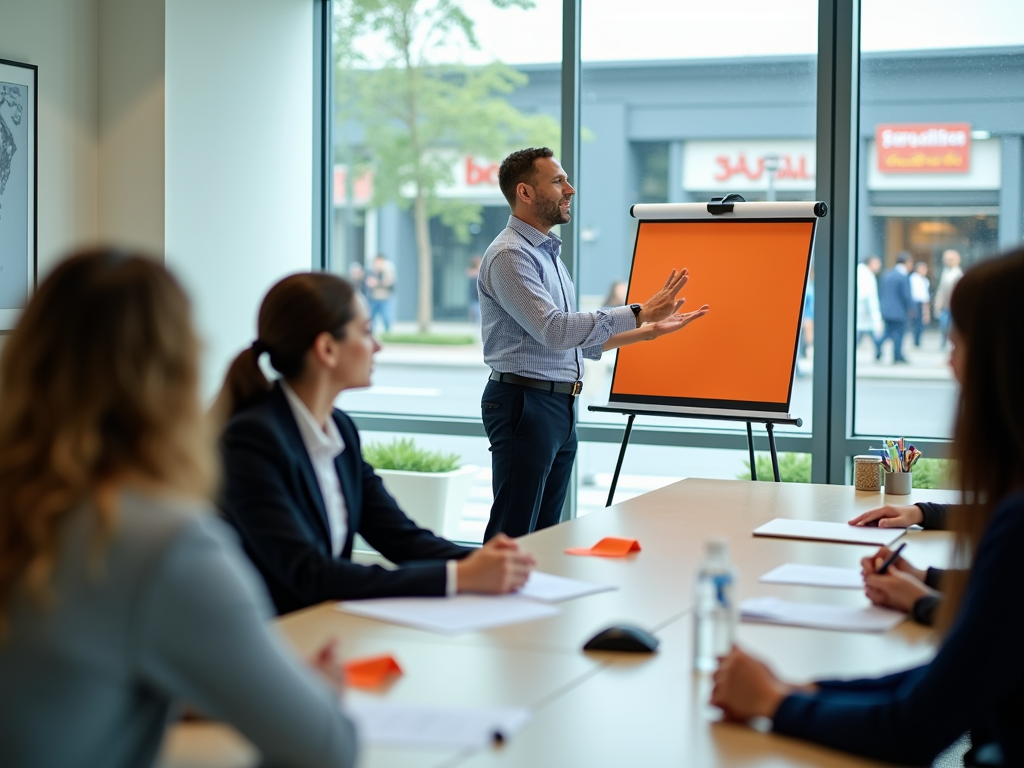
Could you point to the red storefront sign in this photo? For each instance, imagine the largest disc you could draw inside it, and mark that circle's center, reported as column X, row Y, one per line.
column 362, row 186
column 923, row 147
column 481, row 172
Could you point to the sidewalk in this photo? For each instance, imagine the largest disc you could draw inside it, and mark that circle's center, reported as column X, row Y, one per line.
column 926, row 363
column 449, row 356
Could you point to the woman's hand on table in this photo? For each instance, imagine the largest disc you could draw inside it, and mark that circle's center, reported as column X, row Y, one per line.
column 746, row 688
column 496, row 568
column 891, row 516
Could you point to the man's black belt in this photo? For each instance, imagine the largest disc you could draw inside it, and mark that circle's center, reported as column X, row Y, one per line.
column 561, row 387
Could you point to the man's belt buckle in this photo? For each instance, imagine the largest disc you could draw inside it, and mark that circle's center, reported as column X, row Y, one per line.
column 577, row 387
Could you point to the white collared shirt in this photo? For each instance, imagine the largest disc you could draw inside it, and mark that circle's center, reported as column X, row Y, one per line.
column 323, row 445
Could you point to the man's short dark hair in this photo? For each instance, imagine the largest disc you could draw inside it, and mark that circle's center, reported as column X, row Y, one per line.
column 903, row 257
column 518, row 168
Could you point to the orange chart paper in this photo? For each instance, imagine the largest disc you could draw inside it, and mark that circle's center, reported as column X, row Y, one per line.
column 370, row 672
column 609, row 546
column 752, row 274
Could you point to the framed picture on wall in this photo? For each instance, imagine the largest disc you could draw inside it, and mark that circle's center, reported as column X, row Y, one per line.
column 18, row 167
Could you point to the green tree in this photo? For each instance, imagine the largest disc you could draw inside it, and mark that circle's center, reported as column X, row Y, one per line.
column 418, row 113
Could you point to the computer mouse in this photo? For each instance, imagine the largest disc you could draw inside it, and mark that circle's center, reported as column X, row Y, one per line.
column 623, row 637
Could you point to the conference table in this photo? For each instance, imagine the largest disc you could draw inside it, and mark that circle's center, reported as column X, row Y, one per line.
column 619, row 709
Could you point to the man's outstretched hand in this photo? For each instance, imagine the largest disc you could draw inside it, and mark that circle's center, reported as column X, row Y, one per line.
column 665, row 302
column 673, row 323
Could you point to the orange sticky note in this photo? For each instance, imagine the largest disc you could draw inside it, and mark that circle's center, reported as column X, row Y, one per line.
column 609, row 546
column 370, row 672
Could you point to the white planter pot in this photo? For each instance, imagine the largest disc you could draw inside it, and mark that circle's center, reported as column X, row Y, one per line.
column 433, row 499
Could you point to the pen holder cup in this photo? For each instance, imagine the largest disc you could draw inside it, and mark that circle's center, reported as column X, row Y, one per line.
column 898, row 483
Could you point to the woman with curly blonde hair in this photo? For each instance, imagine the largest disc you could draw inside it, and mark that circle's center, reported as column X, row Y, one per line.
column 120, row 594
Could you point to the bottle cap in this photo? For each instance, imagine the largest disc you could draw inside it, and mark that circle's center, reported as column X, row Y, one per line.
column 867, row 458
column 717, row 546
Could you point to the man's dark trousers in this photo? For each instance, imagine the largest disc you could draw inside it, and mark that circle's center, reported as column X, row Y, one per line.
column 894, row 329
column 533, row 445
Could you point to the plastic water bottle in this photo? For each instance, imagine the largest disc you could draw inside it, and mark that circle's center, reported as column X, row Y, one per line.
column 715, row 611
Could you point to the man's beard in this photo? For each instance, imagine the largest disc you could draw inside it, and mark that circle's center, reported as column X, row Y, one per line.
column 550, row 212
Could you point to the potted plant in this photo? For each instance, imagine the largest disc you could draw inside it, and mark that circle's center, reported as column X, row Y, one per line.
column 431, row 487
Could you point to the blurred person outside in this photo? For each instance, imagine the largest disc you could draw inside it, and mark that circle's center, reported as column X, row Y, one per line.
column 380, row 289
column 535, row 342
column 807, row 321
column 869, row 314
column 895, row 303
column 920, row 296
column 357, row 276
column 616, row 295
column 951, row 275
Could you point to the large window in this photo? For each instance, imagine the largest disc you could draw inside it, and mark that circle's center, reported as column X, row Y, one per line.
column 674, row 111
column 941, row 173
column 906, row 118
column 429, row 98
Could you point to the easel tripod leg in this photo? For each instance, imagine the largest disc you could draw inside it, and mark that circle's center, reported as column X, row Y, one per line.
column 618, row 464
column 750, row 447
column 775, row 454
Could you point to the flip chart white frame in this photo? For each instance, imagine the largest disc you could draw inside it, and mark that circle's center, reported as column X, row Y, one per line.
column 745, row 212
column 723, row 211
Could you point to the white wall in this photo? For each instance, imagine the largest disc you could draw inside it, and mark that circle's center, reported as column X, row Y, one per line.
column 238, row 159
column 60, row 37
column 131, row 123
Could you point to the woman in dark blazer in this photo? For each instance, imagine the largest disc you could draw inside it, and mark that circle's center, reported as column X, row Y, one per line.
column 295, row 484
column 976, row 681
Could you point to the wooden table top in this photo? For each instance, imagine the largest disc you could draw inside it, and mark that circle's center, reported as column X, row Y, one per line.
column 607, row 709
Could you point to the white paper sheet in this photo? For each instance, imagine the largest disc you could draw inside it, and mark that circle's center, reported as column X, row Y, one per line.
column 815, row 576
column 418, row 725
column 772, row 610
column 548, row 588
column 820, row 531
column 450, row 615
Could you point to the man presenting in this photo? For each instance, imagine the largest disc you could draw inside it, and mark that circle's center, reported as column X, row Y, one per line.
column 534, row 341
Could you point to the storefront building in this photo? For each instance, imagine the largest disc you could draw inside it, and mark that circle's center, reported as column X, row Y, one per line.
column 941, row 156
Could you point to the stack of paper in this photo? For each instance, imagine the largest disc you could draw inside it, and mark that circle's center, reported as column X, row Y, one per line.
column 772, row 610
column 819, row 531
column 450, row 615
column 397, row 724
column 548, row 588
column 815, row 576
column 471, row 613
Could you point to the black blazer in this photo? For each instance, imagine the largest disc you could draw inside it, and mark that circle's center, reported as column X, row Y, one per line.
column 271, row 496
column 974, row 683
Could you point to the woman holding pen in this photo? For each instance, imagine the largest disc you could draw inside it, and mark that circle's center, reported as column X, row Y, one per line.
column 976, row 681
column 903, row 587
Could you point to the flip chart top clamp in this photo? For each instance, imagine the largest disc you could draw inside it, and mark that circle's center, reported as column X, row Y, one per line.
column 724, row 203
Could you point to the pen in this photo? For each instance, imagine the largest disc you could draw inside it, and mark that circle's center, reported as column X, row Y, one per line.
column 892, row 559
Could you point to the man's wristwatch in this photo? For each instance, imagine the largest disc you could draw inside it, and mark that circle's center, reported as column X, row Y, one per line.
column 636, row 312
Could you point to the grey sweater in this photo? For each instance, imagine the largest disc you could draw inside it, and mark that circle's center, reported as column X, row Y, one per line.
column 174, row 614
